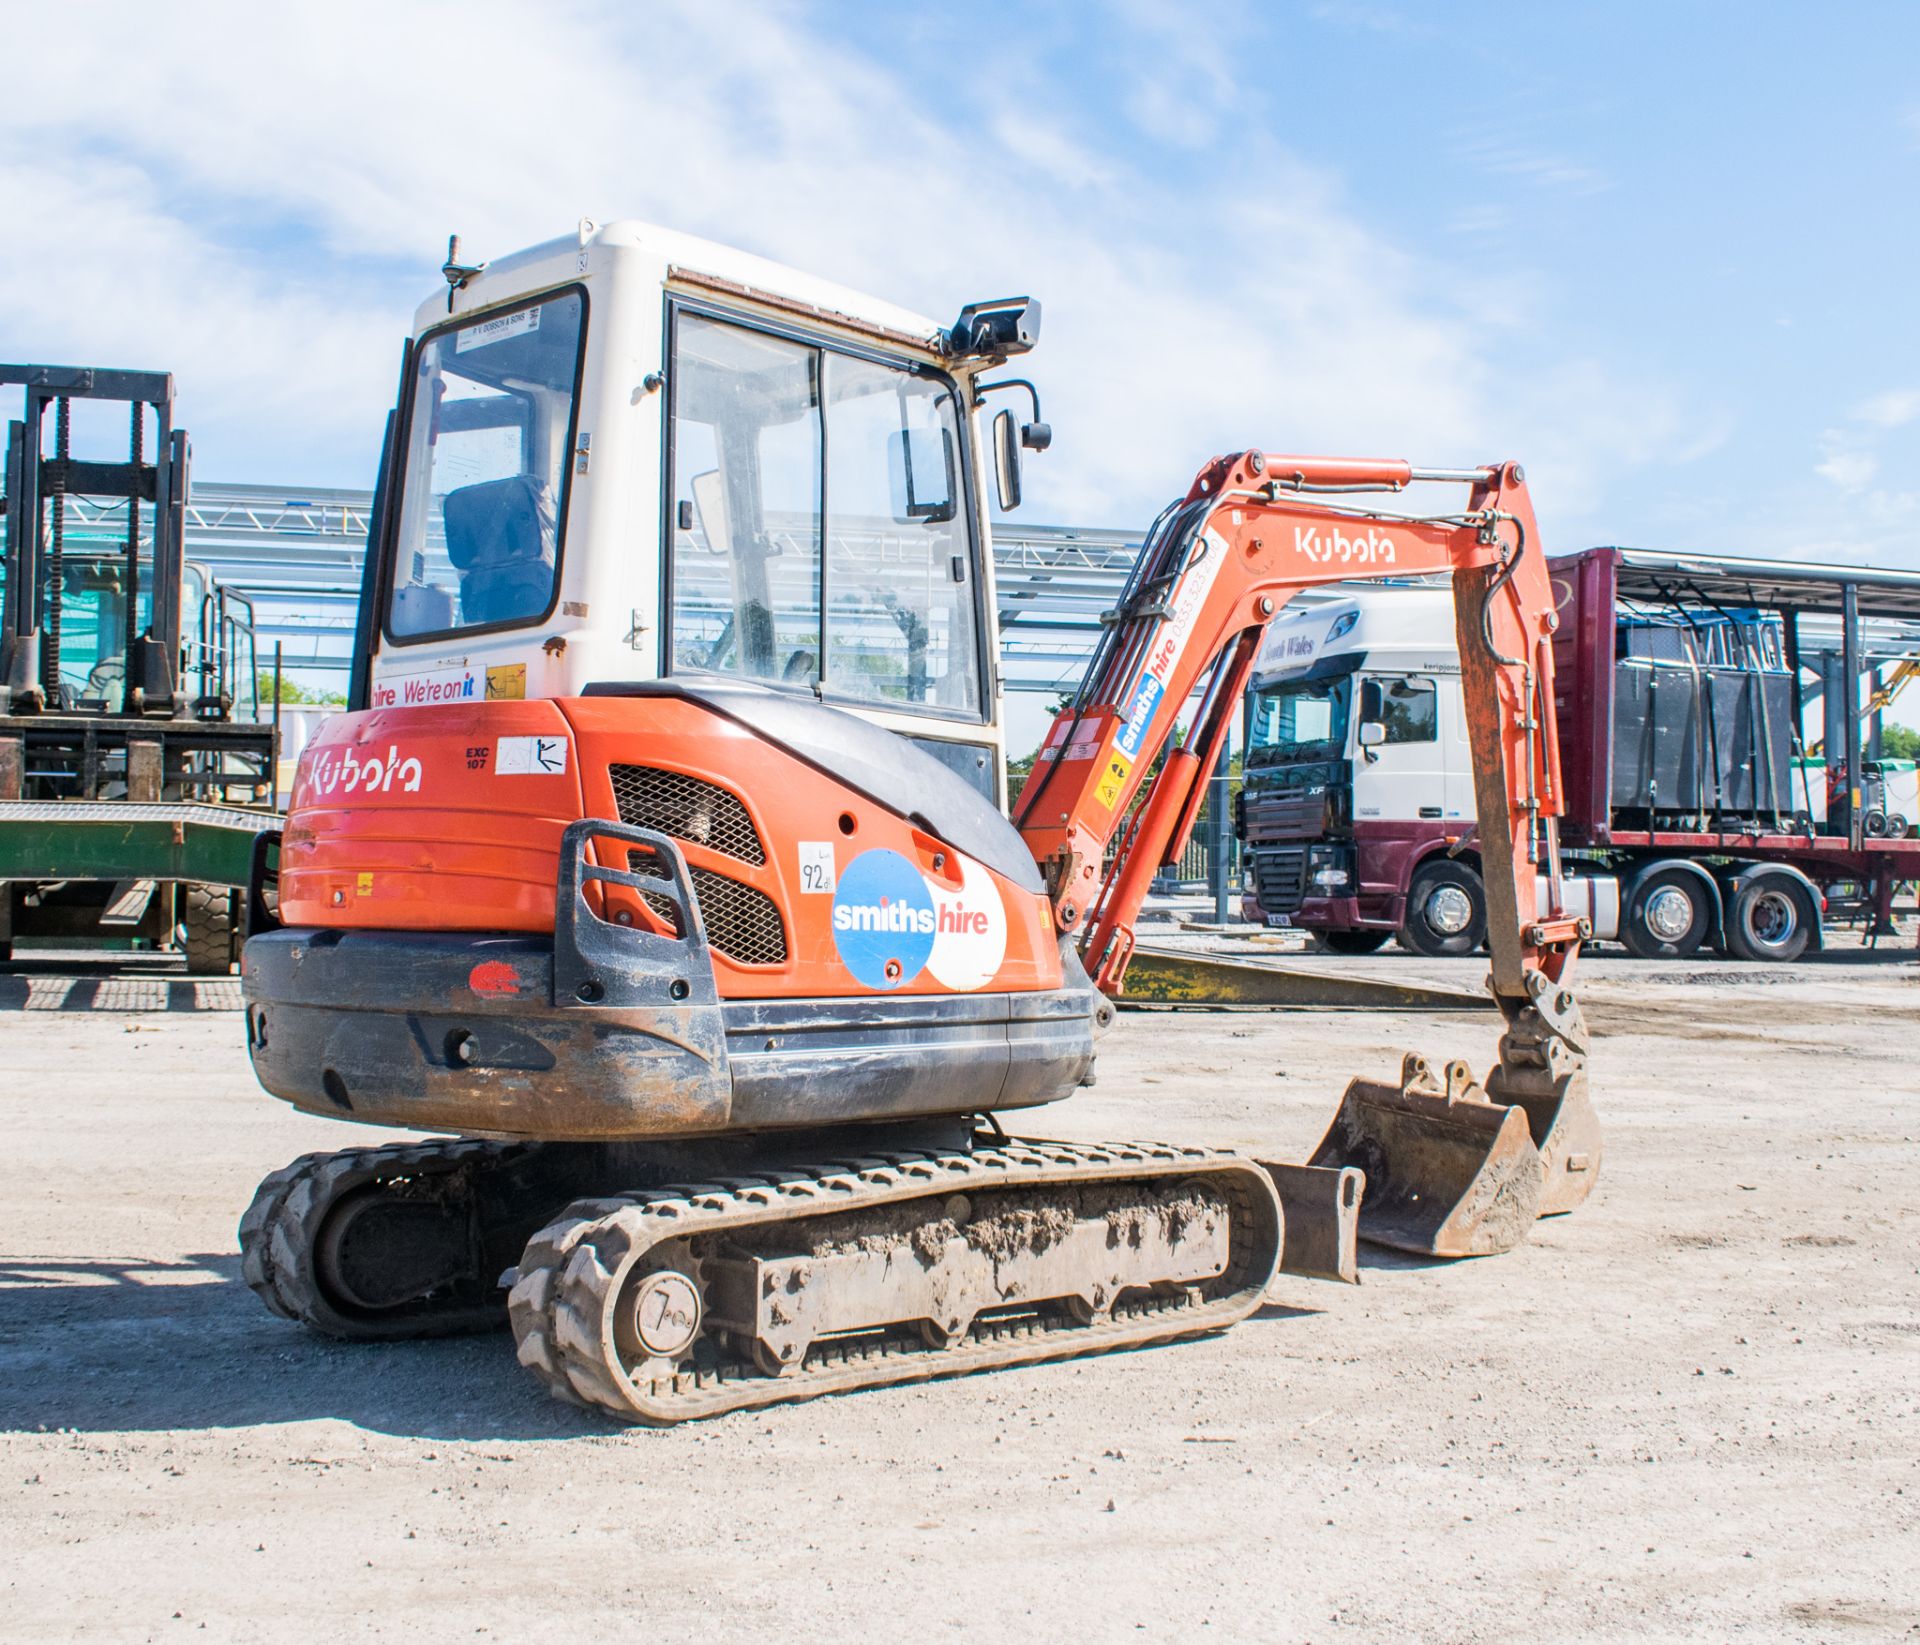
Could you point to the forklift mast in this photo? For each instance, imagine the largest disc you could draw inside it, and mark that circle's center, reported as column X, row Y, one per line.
column 37, row 486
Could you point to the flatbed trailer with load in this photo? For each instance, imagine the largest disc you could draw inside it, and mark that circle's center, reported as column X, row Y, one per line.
column 1698, row 811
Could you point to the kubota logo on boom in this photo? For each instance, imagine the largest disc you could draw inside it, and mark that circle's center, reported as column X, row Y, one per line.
column 1375, row 548
column 348, row 772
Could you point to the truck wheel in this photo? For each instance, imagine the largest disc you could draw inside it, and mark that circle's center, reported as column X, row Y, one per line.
column 1770, row 918
column 1355, row 942
column 207, row 914
column 1667, row 916
column 1446, row 911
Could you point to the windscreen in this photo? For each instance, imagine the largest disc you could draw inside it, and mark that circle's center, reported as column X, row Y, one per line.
column 819, row 532
column 489, row 429
column 1303, row 721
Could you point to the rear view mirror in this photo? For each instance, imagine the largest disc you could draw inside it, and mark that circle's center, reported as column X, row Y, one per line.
column 920, row 473
column 1372, row 733
column 710, row 503
column 1006, row 462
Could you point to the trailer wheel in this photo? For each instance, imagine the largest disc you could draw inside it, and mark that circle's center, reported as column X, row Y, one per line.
column 207, row 912
column 1355, row 942
column 1446, row 911
column 1770, row 918
column 1667, row 915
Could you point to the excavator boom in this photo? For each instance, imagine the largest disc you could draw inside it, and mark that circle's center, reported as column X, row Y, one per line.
column 1451, row 1170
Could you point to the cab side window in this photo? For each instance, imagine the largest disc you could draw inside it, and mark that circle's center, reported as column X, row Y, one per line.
column 1409, row 709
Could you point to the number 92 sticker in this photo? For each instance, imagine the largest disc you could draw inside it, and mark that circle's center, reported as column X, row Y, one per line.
column 816, row 867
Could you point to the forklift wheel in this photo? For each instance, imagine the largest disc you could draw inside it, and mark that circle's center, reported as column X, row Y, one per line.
column 207, row 913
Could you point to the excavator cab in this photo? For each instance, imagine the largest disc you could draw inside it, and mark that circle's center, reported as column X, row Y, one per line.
column 630, row 455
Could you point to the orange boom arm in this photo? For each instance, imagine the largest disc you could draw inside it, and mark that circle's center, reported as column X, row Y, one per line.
column 1215, row 570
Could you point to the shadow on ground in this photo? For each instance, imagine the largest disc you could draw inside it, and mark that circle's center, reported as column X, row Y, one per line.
column 135, row 1347
column 139, row 1346
column 120, row 983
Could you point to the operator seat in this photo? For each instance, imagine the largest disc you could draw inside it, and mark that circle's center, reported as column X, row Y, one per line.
column 500, row 538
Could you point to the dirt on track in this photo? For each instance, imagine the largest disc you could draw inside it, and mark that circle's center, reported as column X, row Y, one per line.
column 1689, row 1411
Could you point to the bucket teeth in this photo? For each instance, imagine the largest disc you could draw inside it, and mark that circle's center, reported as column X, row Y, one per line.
column 1450, row 1173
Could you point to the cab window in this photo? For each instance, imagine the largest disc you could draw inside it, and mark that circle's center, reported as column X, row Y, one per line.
column 818, row 527
column 490, row 418
column 1409, row 709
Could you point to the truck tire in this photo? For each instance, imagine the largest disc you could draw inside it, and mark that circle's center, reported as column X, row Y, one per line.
column 1446, row 911
column 1668, row 915
column 1770, row 918
column 1355, row 942
column 207, row 914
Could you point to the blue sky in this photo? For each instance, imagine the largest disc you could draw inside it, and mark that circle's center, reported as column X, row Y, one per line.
column 1663, row 254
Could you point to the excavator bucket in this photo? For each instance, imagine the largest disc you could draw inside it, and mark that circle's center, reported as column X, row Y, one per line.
column 1450, row 1173
column 1565, row 1132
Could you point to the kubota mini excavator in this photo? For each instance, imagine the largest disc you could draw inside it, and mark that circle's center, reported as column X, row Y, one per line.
column 671, row 879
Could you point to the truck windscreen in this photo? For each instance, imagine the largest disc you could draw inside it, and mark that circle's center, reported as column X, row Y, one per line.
column 1303, row 721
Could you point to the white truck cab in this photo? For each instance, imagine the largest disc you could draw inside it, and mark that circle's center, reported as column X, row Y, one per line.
column 1356, row 760
column 629, row 453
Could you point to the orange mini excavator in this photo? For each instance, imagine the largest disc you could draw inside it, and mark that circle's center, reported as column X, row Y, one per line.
column 701, row 928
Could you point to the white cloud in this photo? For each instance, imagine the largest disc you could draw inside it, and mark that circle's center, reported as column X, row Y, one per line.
column 268, row 239
column 1893, row 409
column 1849, row 470
column 1499, row 154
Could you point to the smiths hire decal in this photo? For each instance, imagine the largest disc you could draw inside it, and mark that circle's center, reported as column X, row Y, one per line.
column 891, row 922
column 1151, row 687
column 459, row 684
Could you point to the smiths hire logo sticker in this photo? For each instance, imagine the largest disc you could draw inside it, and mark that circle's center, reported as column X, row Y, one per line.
column 883, row 920
column 891, row 922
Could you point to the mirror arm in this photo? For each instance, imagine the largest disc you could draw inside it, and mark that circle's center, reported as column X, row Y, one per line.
column 1036, row 435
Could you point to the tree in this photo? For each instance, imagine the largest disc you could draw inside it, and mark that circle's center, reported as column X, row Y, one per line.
column 1900, row 742
column 293, row 693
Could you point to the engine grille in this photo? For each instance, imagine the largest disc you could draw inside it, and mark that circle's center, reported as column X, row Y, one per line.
column 743, row 923
column 673, row 803
column 1281, row 878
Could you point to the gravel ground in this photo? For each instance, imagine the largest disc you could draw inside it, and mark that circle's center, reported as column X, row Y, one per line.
column 1689, row 1411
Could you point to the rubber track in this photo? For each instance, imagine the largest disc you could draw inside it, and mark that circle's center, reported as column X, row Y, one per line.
column 279, row 1230
column 570, row 1274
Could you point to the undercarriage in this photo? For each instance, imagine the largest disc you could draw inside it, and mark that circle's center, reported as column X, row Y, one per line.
column 783, row 1270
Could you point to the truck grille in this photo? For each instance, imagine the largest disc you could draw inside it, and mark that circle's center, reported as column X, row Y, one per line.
column 742, row 922
column 1285, row 814
column 686, row 808
column 1281, row 879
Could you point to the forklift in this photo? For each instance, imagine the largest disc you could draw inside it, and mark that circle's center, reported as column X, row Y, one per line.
column 137, row 765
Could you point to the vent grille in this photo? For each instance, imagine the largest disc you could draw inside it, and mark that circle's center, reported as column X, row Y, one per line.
column 671, row 802
column 1281, row 877
column 742, row 922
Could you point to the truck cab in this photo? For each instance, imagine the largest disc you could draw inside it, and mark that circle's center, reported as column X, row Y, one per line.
column 629, row 454
column 1357, row 770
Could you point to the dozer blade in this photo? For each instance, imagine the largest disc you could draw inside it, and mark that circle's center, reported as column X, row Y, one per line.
column 1449, row 1173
